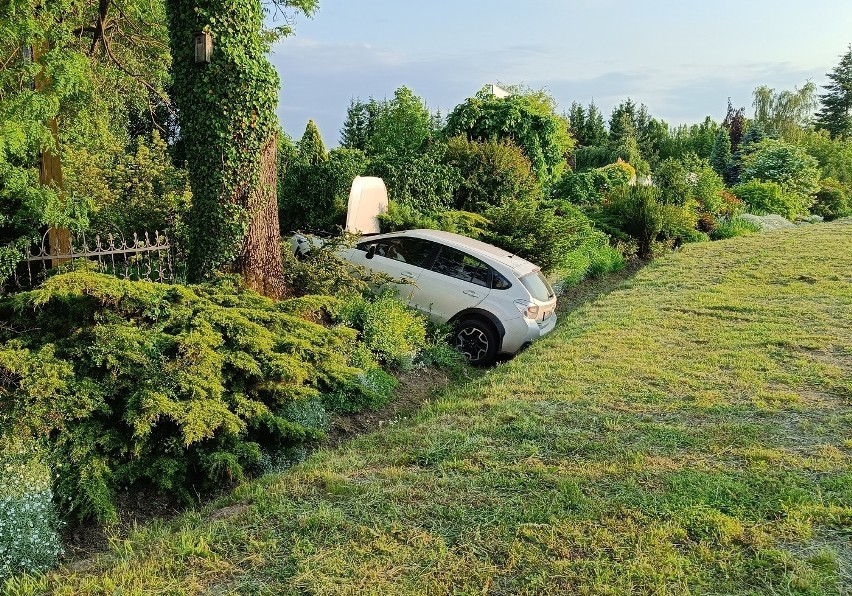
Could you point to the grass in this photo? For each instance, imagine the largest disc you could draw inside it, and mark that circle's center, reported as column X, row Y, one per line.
column 690, row 431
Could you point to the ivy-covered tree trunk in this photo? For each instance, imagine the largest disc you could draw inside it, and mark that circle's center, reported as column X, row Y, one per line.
column 260, row 261
column 228, row 124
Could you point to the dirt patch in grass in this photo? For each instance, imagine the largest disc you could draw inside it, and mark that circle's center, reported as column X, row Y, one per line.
column 415, row 388
column 134, row 508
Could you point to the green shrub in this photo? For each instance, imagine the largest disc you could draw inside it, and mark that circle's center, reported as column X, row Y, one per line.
column 583, row 188
column 617, row 174
column 402, row 217
column 422, row 181
column 492, row 173
column 689, row 180
column 535, row 232
column 392, row 331
column 734, row 227
column 604, row 258
column 29, row 536
column 133, row 190
column 370, row 391
column 796, row 172
column 171, row 386
column 589, row 188
column 594, row 258
column 832, row 200
column 313, row 195
column 322, row 272
column 763, row 198
column 639, row 212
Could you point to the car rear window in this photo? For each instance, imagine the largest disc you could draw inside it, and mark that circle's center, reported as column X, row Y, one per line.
column 536, row 284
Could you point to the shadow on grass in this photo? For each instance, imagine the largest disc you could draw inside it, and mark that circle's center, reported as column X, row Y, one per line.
column 573, row 297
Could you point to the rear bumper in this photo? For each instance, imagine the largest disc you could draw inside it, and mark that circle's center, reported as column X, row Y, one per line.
column 521, row 331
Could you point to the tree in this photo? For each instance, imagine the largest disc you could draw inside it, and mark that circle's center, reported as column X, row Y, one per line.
column 229, row 128
column 69, row 78
column 310, row 148
column 785, row 114
column 594, row 131
column 625, row 144
column 834, row 155
column 402, row 126
column 424, row 182
column 654, row 136
column 689, row 182
column 594, row 150
column 835, row 115
column 789, row 166
column 622, row 122
column 493, row 173
column 720, row 156
column 577, row 122
column 527, row 120
column 754, row 134
column 735, row 123
column 353, row 135
column 314, row 188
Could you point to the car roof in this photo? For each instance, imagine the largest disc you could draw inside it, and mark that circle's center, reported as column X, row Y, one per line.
column 476, row 247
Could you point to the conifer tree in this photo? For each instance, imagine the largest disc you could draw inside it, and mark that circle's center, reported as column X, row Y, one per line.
column 835, row 115
column 594, row 132
column 353, row 135
column 310, row 148
column 751, row 138
column 622, row 122
column 720, row 156
column 577, row 120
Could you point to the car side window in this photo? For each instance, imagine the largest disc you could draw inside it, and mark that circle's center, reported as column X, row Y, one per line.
column 458, row 264
column 413, row 251
column 498, row 282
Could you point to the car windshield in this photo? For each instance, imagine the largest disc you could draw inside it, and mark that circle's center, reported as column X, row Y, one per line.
column 536, row 284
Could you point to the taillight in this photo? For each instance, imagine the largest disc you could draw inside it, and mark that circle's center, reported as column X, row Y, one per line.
column 528, row 309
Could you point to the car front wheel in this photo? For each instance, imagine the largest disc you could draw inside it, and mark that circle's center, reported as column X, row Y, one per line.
column 476, row 340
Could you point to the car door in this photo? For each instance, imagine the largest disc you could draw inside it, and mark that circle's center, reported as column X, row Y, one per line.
column 400, row 257
column 455, row 281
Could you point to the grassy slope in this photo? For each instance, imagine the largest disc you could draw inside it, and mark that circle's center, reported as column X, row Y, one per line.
column 691, row 431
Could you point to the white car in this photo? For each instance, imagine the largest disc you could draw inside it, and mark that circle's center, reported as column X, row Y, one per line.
column 495, row 301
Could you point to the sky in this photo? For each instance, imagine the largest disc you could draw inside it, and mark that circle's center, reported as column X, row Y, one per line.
column 683, row 59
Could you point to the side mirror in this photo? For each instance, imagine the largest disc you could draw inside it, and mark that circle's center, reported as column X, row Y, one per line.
column 371, row 251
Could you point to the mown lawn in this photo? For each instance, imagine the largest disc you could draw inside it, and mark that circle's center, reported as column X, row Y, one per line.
column 691, row 431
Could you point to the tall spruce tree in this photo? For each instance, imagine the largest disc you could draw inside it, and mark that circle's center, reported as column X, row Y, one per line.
column 353, row 135
column 577, row 122
column 720, row 156
column 594, row 131
column 622, row 122
column 835, row 115
column 753, row 135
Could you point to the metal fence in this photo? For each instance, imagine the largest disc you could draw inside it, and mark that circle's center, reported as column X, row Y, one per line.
column 142, row 258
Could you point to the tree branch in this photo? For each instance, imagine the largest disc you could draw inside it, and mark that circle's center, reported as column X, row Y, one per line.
column 103, row 9
column 138, row 77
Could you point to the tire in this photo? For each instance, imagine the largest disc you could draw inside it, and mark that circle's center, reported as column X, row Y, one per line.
column 476, row 340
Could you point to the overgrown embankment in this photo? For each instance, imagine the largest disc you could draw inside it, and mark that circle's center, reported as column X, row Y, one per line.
column 689, row 431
